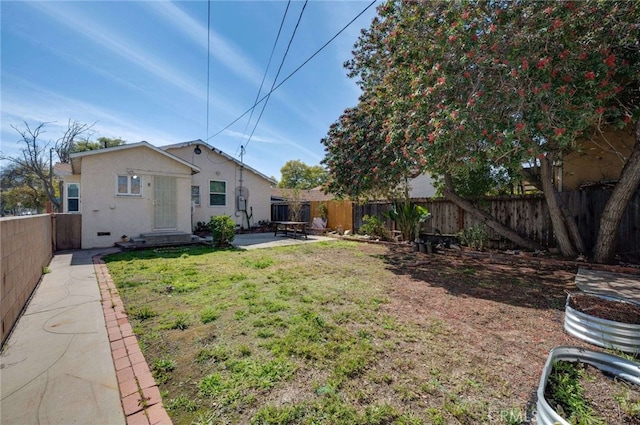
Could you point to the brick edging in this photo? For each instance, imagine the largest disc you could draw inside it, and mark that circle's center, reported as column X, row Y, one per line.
column 140, row 396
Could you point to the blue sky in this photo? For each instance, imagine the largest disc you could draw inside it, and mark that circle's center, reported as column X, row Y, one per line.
column 139, row 70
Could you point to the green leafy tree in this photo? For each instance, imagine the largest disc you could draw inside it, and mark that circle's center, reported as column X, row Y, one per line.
column 455, row 88
column 298, row 175
column 21, row 189
column 99, row 143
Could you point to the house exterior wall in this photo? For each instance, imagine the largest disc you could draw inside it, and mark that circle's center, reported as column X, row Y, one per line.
column 594, row 163
column 217, row 167
column 421, row 187
column 114, row 215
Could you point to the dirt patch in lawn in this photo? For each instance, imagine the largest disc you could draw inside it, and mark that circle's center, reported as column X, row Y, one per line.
column 505, row 319
column 343, row 333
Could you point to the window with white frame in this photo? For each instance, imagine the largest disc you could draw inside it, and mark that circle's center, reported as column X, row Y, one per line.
column 129, row 185
column 73, row 197
column 217, row 193
column 195, row 195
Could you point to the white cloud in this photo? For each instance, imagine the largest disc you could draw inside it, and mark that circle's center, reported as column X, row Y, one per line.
column 276, row 140
column 56, row 109
column 117, row 44
column 242, row 137
column 231, row 56
column 223, row 50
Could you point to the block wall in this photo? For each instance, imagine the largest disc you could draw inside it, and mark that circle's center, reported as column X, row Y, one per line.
column 26, row 248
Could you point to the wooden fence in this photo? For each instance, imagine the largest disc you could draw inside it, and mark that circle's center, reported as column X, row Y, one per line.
column 340, row 213
column 280, row 212
column 528, row 215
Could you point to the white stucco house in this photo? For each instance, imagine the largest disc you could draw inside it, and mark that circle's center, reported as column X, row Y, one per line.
column 421, row 186
column 224, row 185
column 140, row 189
column 128, row 190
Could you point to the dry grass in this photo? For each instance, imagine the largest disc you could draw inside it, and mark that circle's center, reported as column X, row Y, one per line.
column 341, row 333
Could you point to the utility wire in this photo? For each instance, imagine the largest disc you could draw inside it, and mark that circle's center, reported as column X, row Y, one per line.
column 208, row 59
column 294, row 71
column 264, row 77
column 264, row 105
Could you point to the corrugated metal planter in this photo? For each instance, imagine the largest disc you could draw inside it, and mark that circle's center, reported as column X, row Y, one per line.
column 601, row 332
column 609, row 363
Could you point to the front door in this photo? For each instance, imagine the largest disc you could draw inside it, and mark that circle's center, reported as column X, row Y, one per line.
column 165, row 207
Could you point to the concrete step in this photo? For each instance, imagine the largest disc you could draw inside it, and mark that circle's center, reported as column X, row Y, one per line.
column 160, row 239
column 165, row 238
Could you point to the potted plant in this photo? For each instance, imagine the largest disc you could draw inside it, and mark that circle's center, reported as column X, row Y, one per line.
column 429, row 247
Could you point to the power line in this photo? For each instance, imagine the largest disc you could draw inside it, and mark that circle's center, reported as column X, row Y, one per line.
column 264, row 105
column 273, row 49
column 208, row 58
column 294, row 71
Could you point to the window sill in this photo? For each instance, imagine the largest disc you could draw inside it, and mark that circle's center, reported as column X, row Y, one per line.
column 124, row 195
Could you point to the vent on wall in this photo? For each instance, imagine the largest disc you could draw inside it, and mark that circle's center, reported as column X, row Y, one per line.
column 104, row 233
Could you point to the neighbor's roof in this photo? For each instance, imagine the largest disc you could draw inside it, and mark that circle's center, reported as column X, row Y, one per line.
column 219, row 152
column 76, row 158
column 62, row 169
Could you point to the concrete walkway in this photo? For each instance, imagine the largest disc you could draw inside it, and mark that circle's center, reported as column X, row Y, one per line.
column 72, row 358
column 610, row 284
column 57, row 366
column 268, row 240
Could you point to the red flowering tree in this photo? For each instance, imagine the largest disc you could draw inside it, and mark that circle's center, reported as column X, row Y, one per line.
column 454, row 86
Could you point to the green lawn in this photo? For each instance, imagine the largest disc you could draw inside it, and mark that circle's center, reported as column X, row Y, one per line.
column 295, row 335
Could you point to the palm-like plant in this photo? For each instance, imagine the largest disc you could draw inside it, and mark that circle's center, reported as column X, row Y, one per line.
column 408, row 217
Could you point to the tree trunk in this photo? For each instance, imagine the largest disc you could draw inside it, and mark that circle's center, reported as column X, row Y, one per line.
column 488, row 220
column 617, row 203
column 555, row 212
column 51, row 196
column 572, row 228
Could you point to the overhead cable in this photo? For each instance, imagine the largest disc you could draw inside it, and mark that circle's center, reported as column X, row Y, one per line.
column 208, row 59
column 273, row 49
column 294, row 71
column 286, row 52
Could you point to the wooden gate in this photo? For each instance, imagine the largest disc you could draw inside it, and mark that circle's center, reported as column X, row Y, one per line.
column 67, row 229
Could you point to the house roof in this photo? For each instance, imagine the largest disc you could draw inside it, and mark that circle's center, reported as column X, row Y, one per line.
column 219, row 152
column 315, row 194
column 62, row 169
column 76, row 158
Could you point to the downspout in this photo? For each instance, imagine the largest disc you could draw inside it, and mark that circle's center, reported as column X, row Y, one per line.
column 242, row 151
